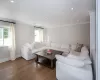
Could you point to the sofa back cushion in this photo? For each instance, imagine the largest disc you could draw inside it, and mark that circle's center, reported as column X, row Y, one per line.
column 86, row 60
column 73, row 47
column 55, row 45
column 63, row 46
column 48, row 44
column 38, row 45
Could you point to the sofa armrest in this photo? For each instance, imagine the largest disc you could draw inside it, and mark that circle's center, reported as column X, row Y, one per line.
column 59, row 57
column 70, row 61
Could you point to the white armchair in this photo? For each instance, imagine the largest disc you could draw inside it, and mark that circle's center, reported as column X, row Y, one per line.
column 26, row 52
column 73, row 68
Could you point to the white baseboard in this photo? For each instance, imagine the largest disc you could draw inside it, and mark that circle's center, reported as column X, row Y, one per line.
column 7, row 59
column 18, row 56
column 4, row 60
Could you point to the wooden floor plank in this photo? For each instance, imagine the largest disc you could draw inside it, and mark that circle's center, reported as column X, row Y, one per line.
column 21, row 69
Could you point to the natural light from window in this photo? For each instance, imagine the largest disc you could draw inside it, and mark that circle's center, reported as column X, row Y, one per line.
column 5, row 36
column 38, row 35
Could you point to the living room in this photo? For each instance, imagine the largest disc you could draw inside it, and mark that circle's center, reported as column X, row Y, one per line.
column 51, row 30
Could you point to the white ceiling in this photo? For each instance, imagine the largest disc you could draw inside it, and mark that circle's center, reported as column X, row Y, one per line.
column 48, row 13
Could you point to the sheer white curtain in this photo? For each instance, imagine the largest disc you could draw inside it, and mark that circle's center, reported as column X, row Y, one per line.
column 12, row 47
column 7, row 37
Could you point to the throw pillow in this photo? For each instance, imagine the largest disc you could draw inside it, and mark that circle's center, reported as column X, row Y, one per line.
column 73, row 47
column 84, row 52
column 74, row 53
column 78, row 47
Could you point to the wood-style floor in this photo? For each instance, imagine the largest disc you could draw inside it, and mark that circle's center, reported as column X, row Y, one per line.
column 21, row 69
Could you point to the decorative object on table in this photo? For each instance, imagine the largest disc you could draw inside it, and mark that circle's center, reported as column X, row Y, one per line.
column 49, row 51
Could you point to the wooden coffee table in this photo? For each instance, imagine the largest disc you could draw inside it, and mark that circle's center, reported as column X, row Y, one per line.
column 51, row 57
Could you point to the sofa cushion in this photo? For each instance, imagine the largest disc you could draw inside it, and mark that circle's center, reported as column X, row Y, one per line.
column 75, row 53
column 73, row 47
column 65, row 50
column 86, row 60
column 70, row 61
column 48, row 44
column 63, row 46
column 55, row 45
column 38, row 45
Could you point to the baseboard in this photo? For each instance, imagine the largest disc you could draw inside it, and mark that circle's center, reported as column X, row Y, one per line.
column 7, row 59
column 18, row 56
column 4, row 60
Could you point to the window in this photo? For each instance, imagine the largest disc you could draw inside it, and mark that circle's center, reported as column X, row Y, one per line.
column 38, row 34
column 4, row 36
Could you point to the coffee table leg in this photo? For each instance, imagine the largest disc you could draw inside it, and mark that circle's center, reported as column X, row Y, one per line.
column 37, row 58
column 51, row 63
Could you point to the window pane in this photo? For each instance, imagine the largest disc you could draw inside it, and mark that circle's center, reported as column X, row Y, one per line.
column 5, row 33
column 7, row 41
column 1, row 33
column 1, row 36
column 6, row 29
column 37, row 36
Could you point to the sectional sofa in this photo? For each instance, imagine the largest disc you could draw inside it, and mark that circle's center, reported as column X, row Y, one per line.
column 28, row 50
column 70, row 65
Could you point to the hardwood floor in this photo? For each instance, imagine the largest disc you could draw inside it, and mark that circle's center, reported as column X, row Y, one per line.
column 21, row 69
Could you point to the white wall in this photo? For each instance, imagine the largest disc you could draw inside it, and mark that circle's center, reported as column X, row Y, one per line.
column 24, row 34
column 93, row 41
column 98, row 40
column 70, row 34
column 4, row 54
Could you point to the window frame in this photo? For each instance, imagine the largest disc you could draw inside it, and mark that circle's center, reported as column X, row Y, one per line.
column 3, row 44
column 38, row 28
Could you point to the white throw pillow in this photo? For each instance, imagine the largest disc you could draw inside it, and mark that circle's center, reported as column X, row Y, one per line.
column 48, row 44
column 53, row 45
column 74, row 53
column 38, row 45
column 70, row 55
column 63, row 46
column 84, row 52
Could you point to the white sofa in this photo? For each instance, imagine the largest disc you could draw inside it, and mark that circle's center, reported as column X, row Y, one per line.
column 74, row 67
column 66, row 68
column 28, row 50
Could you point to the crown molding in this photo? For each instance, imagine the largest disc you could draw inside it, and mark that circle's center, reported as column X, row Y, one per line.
column 67, row 25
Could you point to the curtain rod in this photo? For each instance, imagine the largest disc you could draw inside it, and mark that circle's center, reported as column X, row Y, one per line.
column 39, row 27
column 8, row 21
